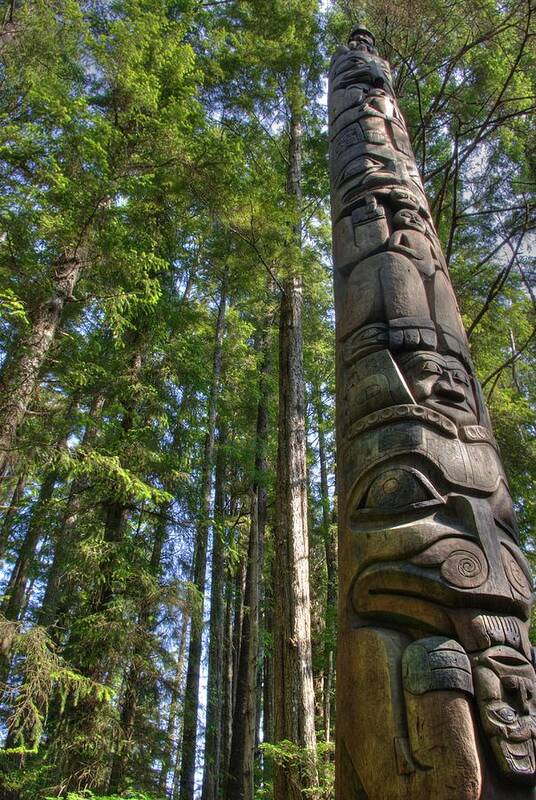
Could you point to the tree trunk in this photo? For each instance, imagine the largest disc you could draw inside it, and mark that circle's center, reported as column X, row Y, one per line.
column 146, row 624
column 116, row 515
column 331, row 570
column 11, row 512
column 13, row 603
column 240, row 771
column 174, row 706
column 227, row 703
column 268, row 689
column 238, row 616
column 240, row 778
column 128, row 714
column 65, row 540
column 116, row 511
column 136, row 676
column 215, row 664
column 21, row 371
column 293, row 678
column 14, row 594
column 80, row 720
column 267, row 664
column 191, row 699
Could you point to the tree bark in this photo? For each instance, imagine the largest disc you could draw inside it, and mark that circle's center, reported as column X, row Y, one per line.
column 14, row 594
column 129, row 707
column 116, row 511
column 21, row 371
column 65, row 540
column 238, row 618
column 240, row 778
column 268, row 663
column 11, row 512
column 331, row 570
column 174, row 706
column 211, row 773
column 136, row 674
column 80, row 720
column 293, row 678
column 227, row 704
column 268, row 688
column 191, row 699
column 14, row 597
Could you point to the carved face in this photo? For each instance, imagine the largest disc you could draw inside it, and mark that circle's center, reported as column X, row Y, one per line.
column 408, row 219
column 421, row 556
column 361, row 37
column 442, row 383
column 505, row 684
column 360, row 67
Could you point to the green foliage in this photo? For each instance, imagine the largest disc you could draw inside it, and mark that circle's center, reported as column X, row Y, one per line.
column 88, row 795
column 287, row 754
column 43, row 674
column 149, row 138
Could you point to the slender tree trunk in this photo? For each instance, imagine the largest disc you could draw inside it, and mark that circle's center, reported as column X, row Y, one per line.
column 16, row 587
column 181, row 658
column 136, row 677
column 238, row 616
column 11, row 606
column 58, row 584
column 178, row 758
column 80, row 720
column 191, row 700
column 331, row 570
column 116, row 515
column 293, row 677
column 215, row 664
column 21, row 371
column 65, row 540
column 240, row 778
column 173, row 748
column 31, row 583
column 240, row 771
column 267, row 689
column 11, row 512
column 115, row 510
column 129, row 707
column 258, row 690
column 174, row 706
column 267, row 665
column 227, row 680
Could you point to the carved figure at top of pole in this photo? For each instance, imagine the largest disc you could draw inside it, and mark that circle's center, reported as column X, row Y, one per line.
column 435, row 593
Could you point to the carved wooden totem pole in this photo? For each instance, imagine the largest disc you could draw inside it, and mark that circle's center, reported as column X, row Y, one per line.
column 435, row 675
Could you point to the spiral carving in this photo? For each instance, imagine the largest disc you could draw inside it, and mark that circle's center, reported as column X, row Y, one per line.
column 515, row 574
column 466, row 569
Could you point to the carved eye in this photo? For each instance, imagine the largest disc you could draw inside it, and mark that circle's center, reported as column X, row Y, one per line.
column 515, row 573
column 351, row 81
column 505, row 715
column 460, row 377
column 503, row 511
column 432, row 367
column 369, row 163
column 396, row 489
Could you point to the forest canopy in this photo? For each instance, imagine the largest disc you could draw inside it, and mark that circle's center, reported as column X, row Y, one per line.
column 167, row 347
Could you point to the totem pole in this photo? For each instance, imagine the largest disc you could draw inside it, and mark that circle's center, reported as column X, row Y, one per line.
column 435, row 673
